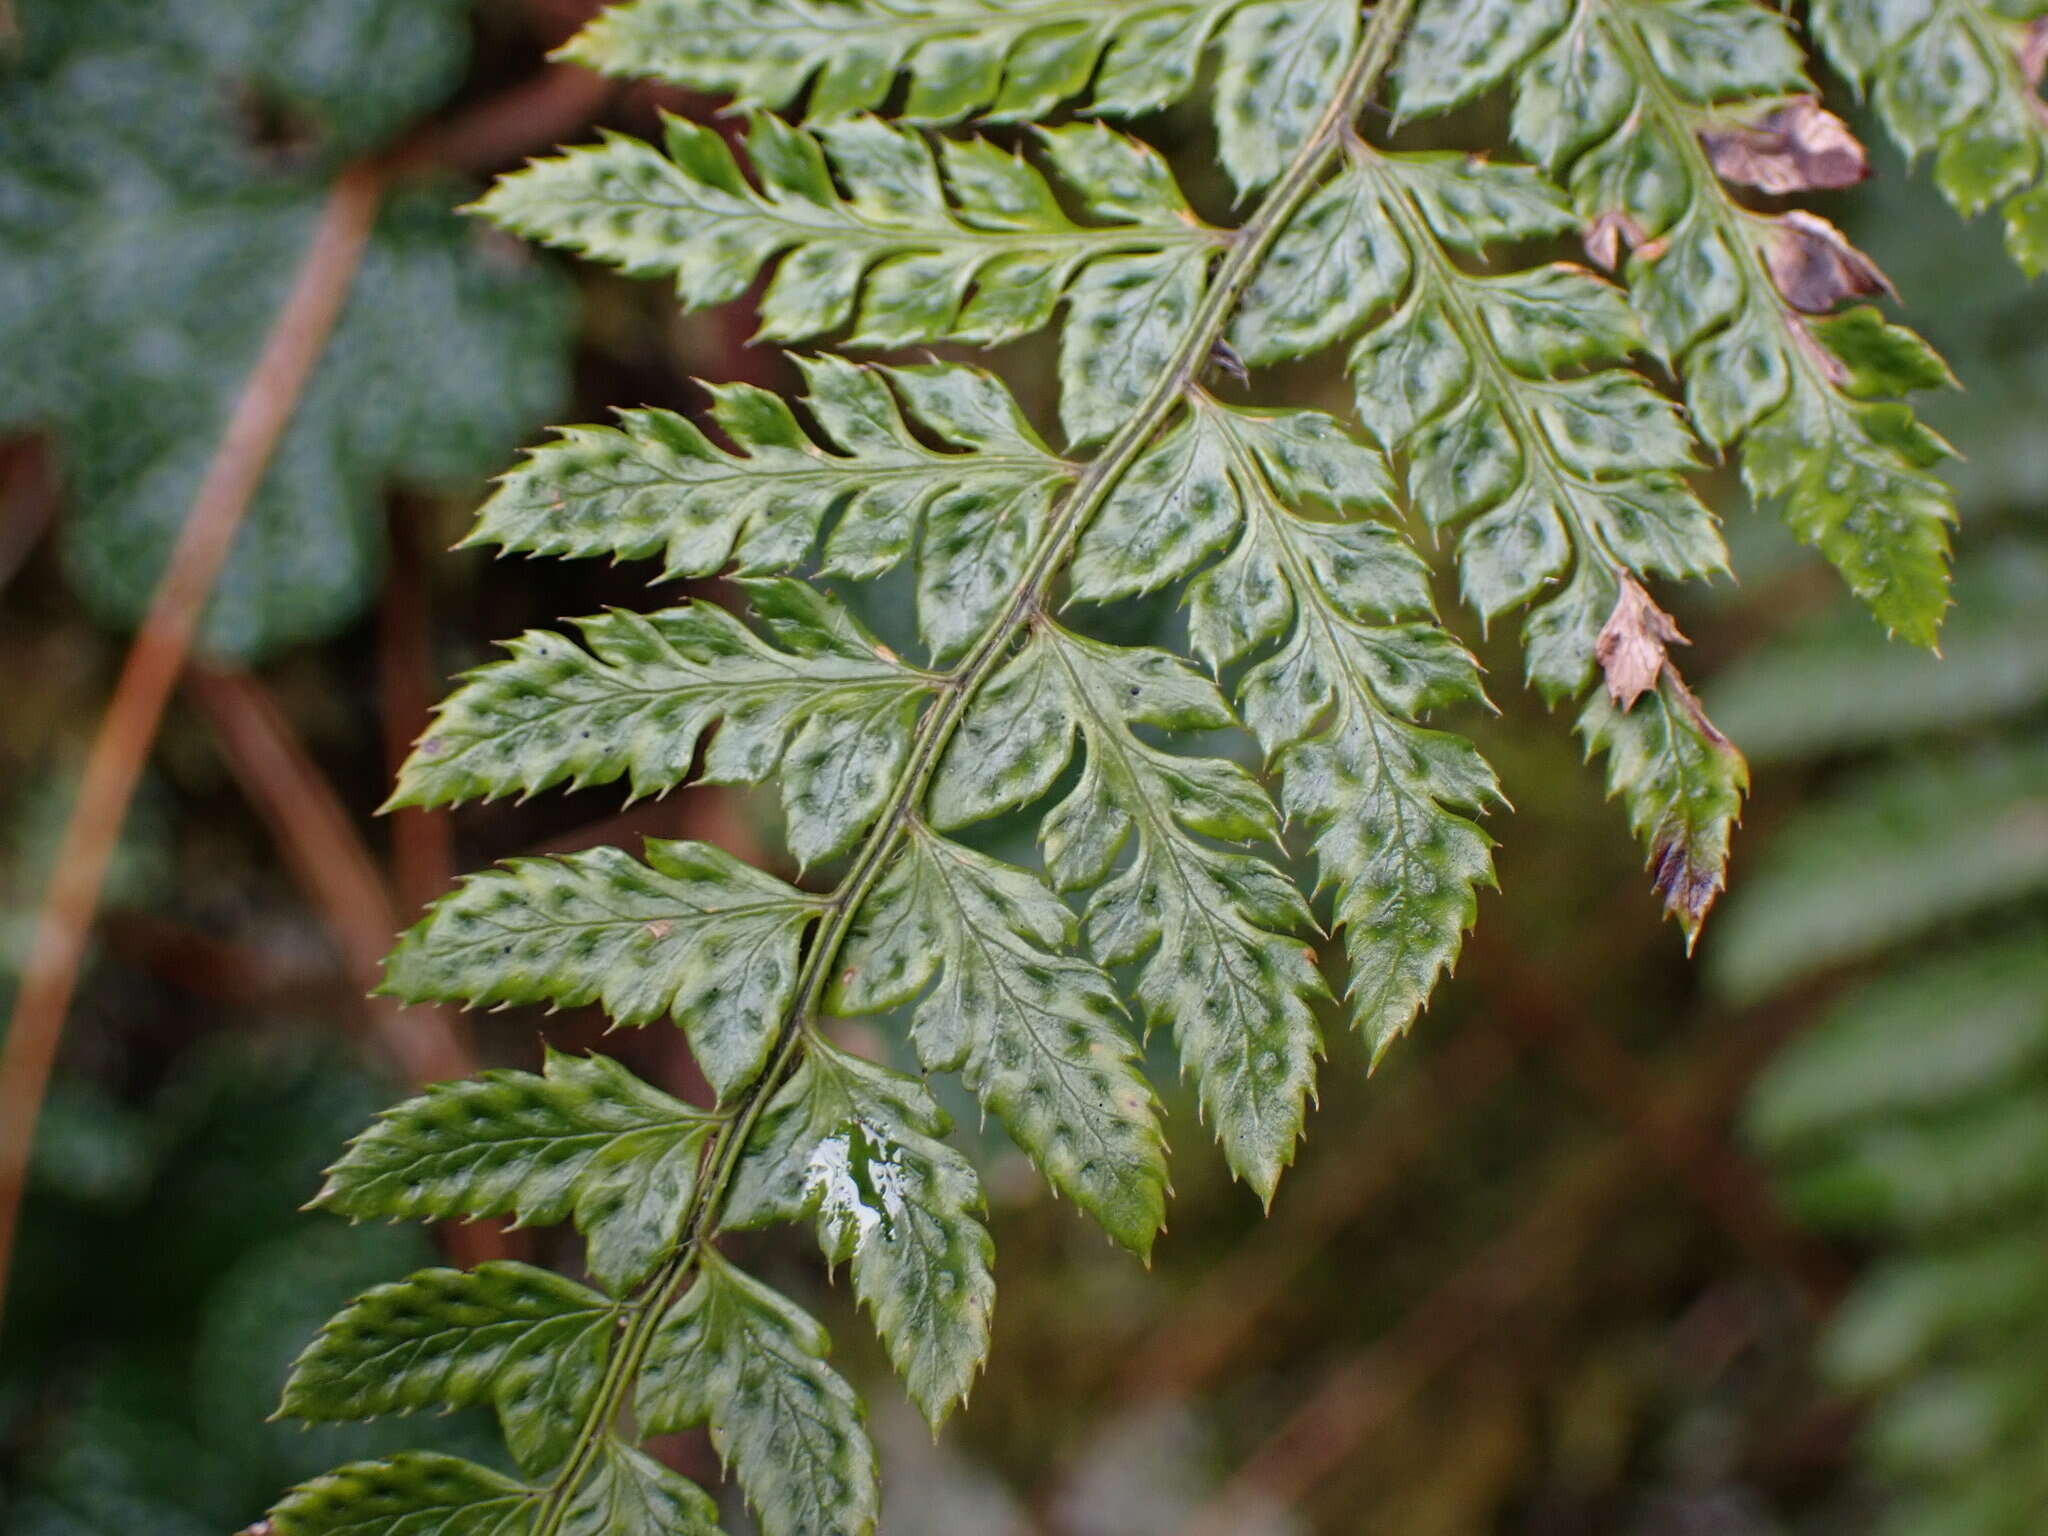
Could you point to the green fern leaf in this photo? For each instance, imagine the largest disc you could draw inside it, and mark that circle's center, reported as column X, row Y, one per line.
column 829, row 707
column 1548, row 472
column 1379, row 790
column 1280, row 61
column 854, row 1147
column 1521, row 428
column 692, row 933
column 1013, row 61
column 1960, row 80
column 1036, row 1032
column 632, row 1494
column 1682, row 783
column 736, row 1356
column 1219, row 937
column 412, row 1494
column 658, row 486
column 587, row 1138
column 1336, row 704
column 1638, row 106
column 969, row 246
column 521, row 1339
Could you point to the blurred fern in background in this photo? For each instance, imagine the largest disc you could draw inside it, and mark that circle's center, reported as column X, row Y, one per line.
column 1911, row 1118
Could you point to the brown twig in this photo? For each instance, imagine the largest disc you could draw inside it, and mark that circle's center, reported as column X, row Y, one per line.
column 320, row 845
column 422, row 841
column 530, row 116
column 261, row 412
column 28, row 497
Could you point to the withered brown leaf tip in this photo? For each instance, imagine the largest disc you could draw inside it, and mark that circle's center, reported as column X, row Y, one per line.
column 1814, row 265
column 1799, row 147
column 1632, row 645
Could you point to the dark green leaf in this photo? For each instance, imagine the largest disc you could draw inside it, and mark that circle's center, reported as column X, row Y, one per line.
column 829, row 707
column 1035, row 1030
column 587, row 1139
column 854, row 1146
column 745, row 1360
column 521, row 1339
column 415, row 1494
column 692, row 933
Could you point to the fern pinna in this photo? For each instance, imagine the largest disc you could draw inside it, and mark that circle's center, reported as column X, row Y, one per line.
column 1503, row 406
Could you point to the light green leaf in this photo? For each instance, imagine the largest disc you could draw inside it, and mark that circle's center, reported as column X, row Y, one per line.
column 412, row 1494
column 658, row 487
column 828, row 706
column 1125, row 319
column 1036, row 1031
column 692, row 933
column 1954, row 79
column 1337, row 262
column 1336, row 704
column 1457, row 48
column 586, row 1139
column 1869, row 504
column 524, row 1340
column 1220, row 937
column 902, row 254
column 748, row 1362
column 1281, row 60
column 855, row 1147
column 1611, row 104
column 997, row 60
column 632, row 1494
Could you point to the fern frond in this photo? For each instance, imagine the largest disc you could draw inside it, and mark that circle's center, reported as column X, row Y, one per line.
column 735, row 1355
column 692, row 933
column 854, row 1147
column 1519, row 424
column 1961, row 80
column 1649, row 111
column 1336, row 610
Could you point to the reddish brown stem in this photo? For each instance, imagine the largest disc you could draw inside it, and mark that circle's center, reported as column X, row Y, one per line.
column 530, row 116
column 319, row 844
column 422, row 841
column 28, row 496
column 114, row 765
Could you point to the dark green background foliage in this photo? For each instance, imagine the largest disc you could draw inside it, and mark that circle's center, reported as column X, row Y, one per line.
column 1228, row 808
column 160, row 168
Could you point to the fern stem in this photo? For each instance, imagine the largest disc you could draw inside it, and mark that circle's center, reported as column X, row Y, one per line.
column 1070, row 517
